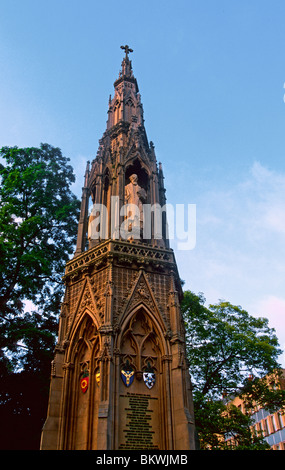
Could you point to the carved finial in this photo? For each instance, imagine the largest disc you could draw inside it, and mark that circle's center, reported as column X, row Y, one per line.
column 127, row 50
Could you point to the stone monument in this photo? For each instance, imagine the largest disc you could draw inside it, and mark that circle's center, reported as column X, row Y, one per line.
column 119, row 378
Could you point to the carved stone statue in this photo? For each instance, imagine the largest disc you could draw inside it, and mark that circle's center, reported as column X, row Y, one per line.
column 136, row 195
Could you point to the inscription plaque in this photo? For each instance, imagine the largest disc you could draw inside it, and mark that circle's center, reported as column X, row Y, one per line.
column 140, row 428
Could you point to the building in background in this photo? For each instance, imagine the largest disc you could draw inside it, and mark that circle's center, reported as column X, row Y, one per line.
column 270, row 425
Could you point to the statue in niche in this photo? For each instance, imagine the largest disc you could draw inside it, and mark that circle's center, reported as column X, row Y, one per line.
column 136, row 195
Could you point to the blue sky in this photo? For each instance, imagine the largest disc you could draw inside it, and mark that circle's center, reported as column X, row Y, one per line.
column 211, row 75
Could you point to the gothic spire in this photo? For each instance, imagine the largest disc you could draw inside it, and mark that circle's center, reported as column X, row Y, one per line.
column 126, row 104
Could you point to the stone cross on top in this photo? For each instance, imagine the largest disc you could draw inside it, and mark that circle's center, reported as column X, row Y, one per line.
column 127, row 50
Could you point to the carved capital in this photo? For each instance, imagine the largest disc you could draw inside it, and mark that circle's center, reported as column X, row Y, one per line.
column 166, row 358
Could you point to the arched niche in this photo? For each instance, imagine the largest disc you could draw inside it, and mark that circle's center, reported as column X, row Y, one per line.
column 83, row 332
column 106, row 187
column 135, row 166
column 129, row 108
column 141, row 341
column 92, row 191
column 141, row 383
column 80, row 387
column 86, row 325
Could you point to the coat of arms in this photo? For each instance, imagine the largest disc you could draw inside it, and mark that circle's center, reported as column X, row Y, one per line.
column 84, row 381
column 149, row 377
column 127, row 374
column 97, row 377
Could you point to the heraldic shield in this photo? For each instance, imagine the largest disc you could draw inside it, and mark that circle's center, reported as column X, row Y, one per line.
column 84, row 381
column 127, row 374
column 149, row 376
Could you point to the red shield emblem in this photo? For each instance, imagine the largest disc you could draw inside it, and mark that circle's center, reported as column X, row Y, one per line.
column 84, row 382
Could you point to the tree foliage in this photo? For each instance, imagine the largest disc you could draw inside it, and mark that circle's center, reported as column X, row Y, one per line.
column 226, row 346
column 38, row 225
column 215, row 419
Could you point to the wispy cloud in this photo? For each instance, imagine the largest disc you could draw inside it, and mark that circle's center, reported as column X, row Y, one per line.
column 240, row 250
column 273, row 308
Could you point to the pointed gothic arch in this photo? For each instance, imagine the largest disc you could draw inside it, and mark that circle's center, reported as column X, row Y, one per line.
column 84, row 330
column 129, row 101
column 142, row 296
column 143, row 347
column 140, row 326
column 82, row 363
column 85, row 305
